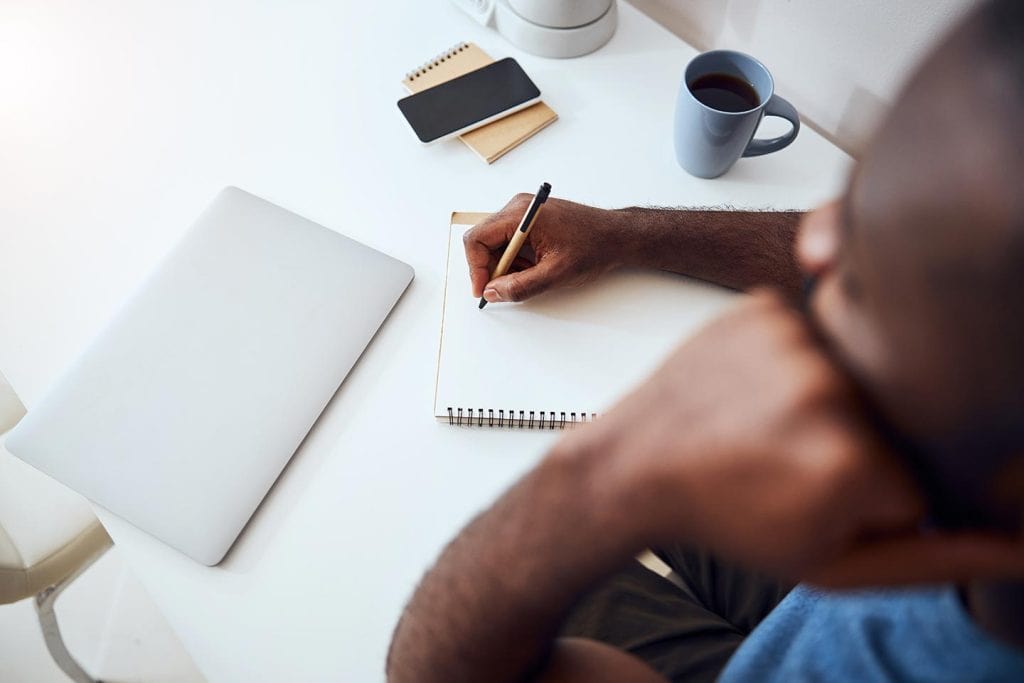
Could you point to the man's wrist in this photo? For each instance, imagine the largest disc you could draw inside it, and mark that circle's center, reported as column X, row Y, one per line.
column 633, row 246
column 654, row 238
column 608, row 489
column 736, row 249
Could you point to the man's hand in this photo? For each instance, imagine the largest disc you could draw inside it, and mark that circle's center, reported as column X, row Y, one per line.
column 750, row 442
column 569, row 245
column 572, row 244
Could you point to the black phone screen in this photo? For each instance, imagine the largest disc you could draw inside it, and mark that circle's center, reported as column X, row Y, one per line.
column 473, row 97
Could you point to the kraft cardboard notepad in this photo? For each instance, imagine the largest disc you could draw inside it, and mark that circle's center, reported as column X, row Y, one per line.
column 492, row 141
column 563, row 357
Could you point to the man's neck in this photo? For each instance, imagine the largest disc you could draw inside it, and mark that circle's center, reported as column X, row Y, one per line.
column 998, row 608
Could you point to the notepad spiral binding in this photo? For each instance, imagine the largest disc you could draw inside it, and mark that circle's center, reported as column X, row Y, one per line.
column 527, row 419
column 436, row 61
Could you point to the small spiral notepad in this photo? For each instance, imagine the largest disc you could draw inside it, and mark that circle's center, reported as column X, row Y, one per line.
column 492, row 141
column 563, row 358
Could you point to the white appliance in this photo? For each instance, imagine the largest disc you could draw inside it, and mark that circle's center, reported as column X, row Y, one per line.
column 548, row 28
column 183, row 411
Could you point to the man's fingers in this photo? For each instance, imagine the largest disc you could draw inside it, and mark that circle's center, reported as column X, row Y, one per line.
column 485, row 241
column 478, row 277
column 926, row 558
column 483, row 244
column 522, row 285
column 481, row 263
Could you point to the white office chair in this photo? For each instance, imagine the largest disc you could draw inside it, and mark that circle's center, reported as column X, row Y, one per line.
column 48, row 537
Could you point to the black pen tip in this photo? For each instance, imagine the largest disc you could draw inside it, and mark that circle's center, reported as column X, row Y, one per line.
column 483, row 302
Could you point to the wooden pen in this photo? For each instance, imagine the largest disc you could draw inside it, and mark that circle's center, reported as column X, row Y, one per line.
column 516, row 243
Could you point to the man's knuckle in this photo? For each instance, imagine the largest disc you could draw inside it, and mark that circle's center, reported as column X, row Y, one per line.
column 515, row 291
column 794, row 396
column 816, row 387
column 516, row 205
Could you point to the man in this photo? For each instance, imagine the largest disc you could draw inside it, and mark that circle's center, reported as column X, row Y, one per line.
column 866, row 432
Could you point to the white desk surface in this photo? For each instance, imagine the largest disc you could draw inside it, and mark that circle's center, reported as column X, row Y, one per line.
column 121, row 120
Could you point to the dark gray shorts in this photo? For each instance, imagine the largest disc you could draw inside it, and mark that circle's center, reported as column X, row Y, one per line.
column 686, row 635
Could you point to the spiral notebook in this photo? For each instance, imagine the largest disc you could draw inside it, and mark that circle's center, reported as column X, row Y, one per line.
column 564, row 357
column 492, row 141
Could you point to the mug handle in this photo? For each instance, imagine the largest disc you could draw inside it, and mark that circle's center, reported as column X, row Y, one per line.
column 777, row 106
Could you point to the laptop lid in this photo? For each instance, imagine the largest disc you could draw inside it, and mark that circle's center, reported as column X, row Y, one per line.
column 183, row 411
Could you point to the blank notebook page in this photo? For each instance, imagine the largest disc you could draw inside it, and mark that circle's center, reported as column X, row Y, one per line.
column 570, row 350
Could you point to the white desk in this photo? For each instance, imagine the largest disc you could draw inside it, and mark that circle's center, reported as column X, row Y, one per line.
column 121, row 121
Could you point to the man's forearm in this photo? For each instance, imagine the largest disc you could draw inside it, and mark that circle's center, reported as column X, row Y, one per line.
column 737, row 249
column 491, row 606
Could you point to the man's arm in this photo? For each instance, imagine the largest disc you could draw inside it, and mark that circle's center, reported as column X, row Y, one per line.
column 573, row 244
column 770, row 465
column 737, row 249
column 490, row 608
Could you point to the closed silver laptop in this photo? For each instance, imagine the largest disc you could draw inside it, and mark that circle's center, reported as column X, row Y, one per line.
column 183, row 411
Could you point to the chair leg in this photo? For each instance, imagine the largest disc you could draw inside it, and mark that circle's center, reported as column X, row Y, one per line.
column 44, row 601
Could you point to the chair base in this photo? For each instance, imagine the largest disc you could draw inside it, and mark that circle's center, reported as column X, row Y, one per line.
column 44, row 601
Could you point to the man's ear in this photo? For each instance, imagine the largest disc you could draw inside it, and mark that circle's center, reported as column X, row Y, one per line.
column 817, row 245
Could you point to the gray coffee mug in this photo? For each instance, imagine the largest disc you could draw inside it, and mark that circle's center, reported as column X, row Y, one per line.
column 709, row 141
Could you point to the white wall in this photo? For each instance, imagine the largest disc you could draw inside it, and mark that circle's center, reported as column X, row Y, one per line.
column 840, row 63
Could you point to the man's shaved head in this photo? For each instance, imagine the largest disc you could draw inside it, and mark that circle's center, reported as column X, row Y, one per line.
column 928, row 305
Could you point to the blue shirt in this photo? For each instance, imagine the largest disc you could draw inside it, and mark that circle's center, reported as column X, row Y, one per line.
column 922, row 634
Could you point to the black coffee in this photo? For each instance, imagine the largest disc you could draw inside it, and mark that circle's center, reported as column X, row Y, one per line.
column 725, row 93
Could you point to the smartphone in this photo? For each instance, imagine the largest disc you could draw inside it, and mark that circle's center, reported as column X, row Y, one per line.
column 469, row 101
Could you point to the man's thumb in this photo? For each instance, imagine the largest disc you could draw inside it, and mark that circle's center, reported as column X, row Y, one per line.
column 520, row 286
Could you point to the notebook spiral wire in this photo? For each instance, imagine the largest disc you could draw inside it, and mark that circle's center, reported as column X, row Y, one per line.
column 526, row 419
column 436, row 61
